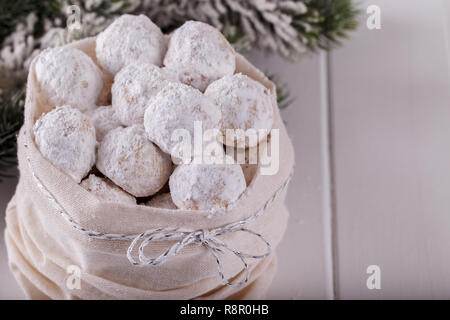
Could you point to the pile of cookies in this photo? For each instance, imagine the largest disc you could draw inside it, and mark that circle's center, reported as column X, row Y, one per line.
column 123, row 152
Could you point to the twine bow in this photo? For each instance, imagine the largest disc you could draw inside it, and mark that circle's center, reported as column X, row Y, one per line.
column 207, row 238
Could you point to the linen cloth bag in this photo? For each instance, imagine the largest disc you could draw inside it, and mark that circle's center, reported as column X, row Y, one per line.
column 43, row 242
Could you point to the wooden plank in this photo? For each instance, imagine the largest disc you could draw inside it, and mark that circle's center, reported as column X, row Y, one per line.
column 391, row 126
column 302, row 271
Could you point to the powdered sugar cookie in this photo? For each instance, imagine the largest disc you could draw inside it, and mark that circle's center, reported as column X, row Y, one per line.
column 134, row 87
column 205, row 187
column 104, row 120
column 245, row 104
column 176, row 107
column 130, row 39
column 208, row 151
column 132, row 162
column 66, row 138
column 200, row 54
column 107, row 191
column 163, row 200
column 69, row 76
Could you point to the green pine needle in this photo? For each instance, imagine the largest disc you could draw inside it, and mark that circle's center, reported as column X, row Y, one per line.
column 11, row 120
column 284, row 98
column 334, row 19
column 13, row 12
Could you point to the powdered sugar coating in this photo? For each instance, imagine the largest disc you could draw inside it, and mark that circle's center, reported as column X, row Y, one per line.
column 210, row 151
column 132, row 162
column 69, row 76
column 107, row 191
column 66, row 138
column 129, row 39
column 134, row 86
column 244, row 103
column 163, row 200
column 200, row 54
column 178, row 106
column 206, row 187
column 104, row 120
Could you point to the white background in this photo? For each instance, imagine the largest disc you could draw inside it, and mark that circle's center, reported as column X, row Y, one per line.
column 371, row 128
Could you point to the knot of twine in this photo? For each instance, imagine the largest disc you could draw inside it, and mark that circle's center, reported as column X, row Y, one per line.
column 183, row 237
column 207, row 238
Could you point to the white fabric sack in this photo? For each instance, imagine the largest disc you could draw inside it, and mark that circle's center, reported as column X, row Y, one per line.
column 42, row 244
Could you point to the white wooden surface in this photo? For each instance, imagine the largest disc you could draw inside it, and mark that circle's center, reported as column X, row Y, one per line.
column 371, row 128
column 302, row 272
column 391, row 140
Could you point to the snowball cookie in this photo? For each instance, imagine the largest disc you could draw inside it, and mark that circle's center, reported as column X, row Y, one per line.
column 245, row 104
column 209, row 152
column 163, row 200
column 128, row 39
column 178, row 106
column 200, row 54
column 69, row 76
column 104, row 120
column 66, row 138
column 106, row 190
column 206, row 187
column 134, row 86
column 132, row 162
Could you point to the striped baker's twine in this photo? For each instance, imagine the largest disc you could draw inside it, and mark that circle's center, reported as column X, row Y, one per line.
column 183, row 237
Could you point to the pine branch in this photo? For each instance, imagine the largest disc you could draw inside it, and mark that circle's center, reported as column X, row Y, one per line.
column 11, row 120
column 13, row 12
column 284, row 98
column 290, row 28
column 335, row 19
